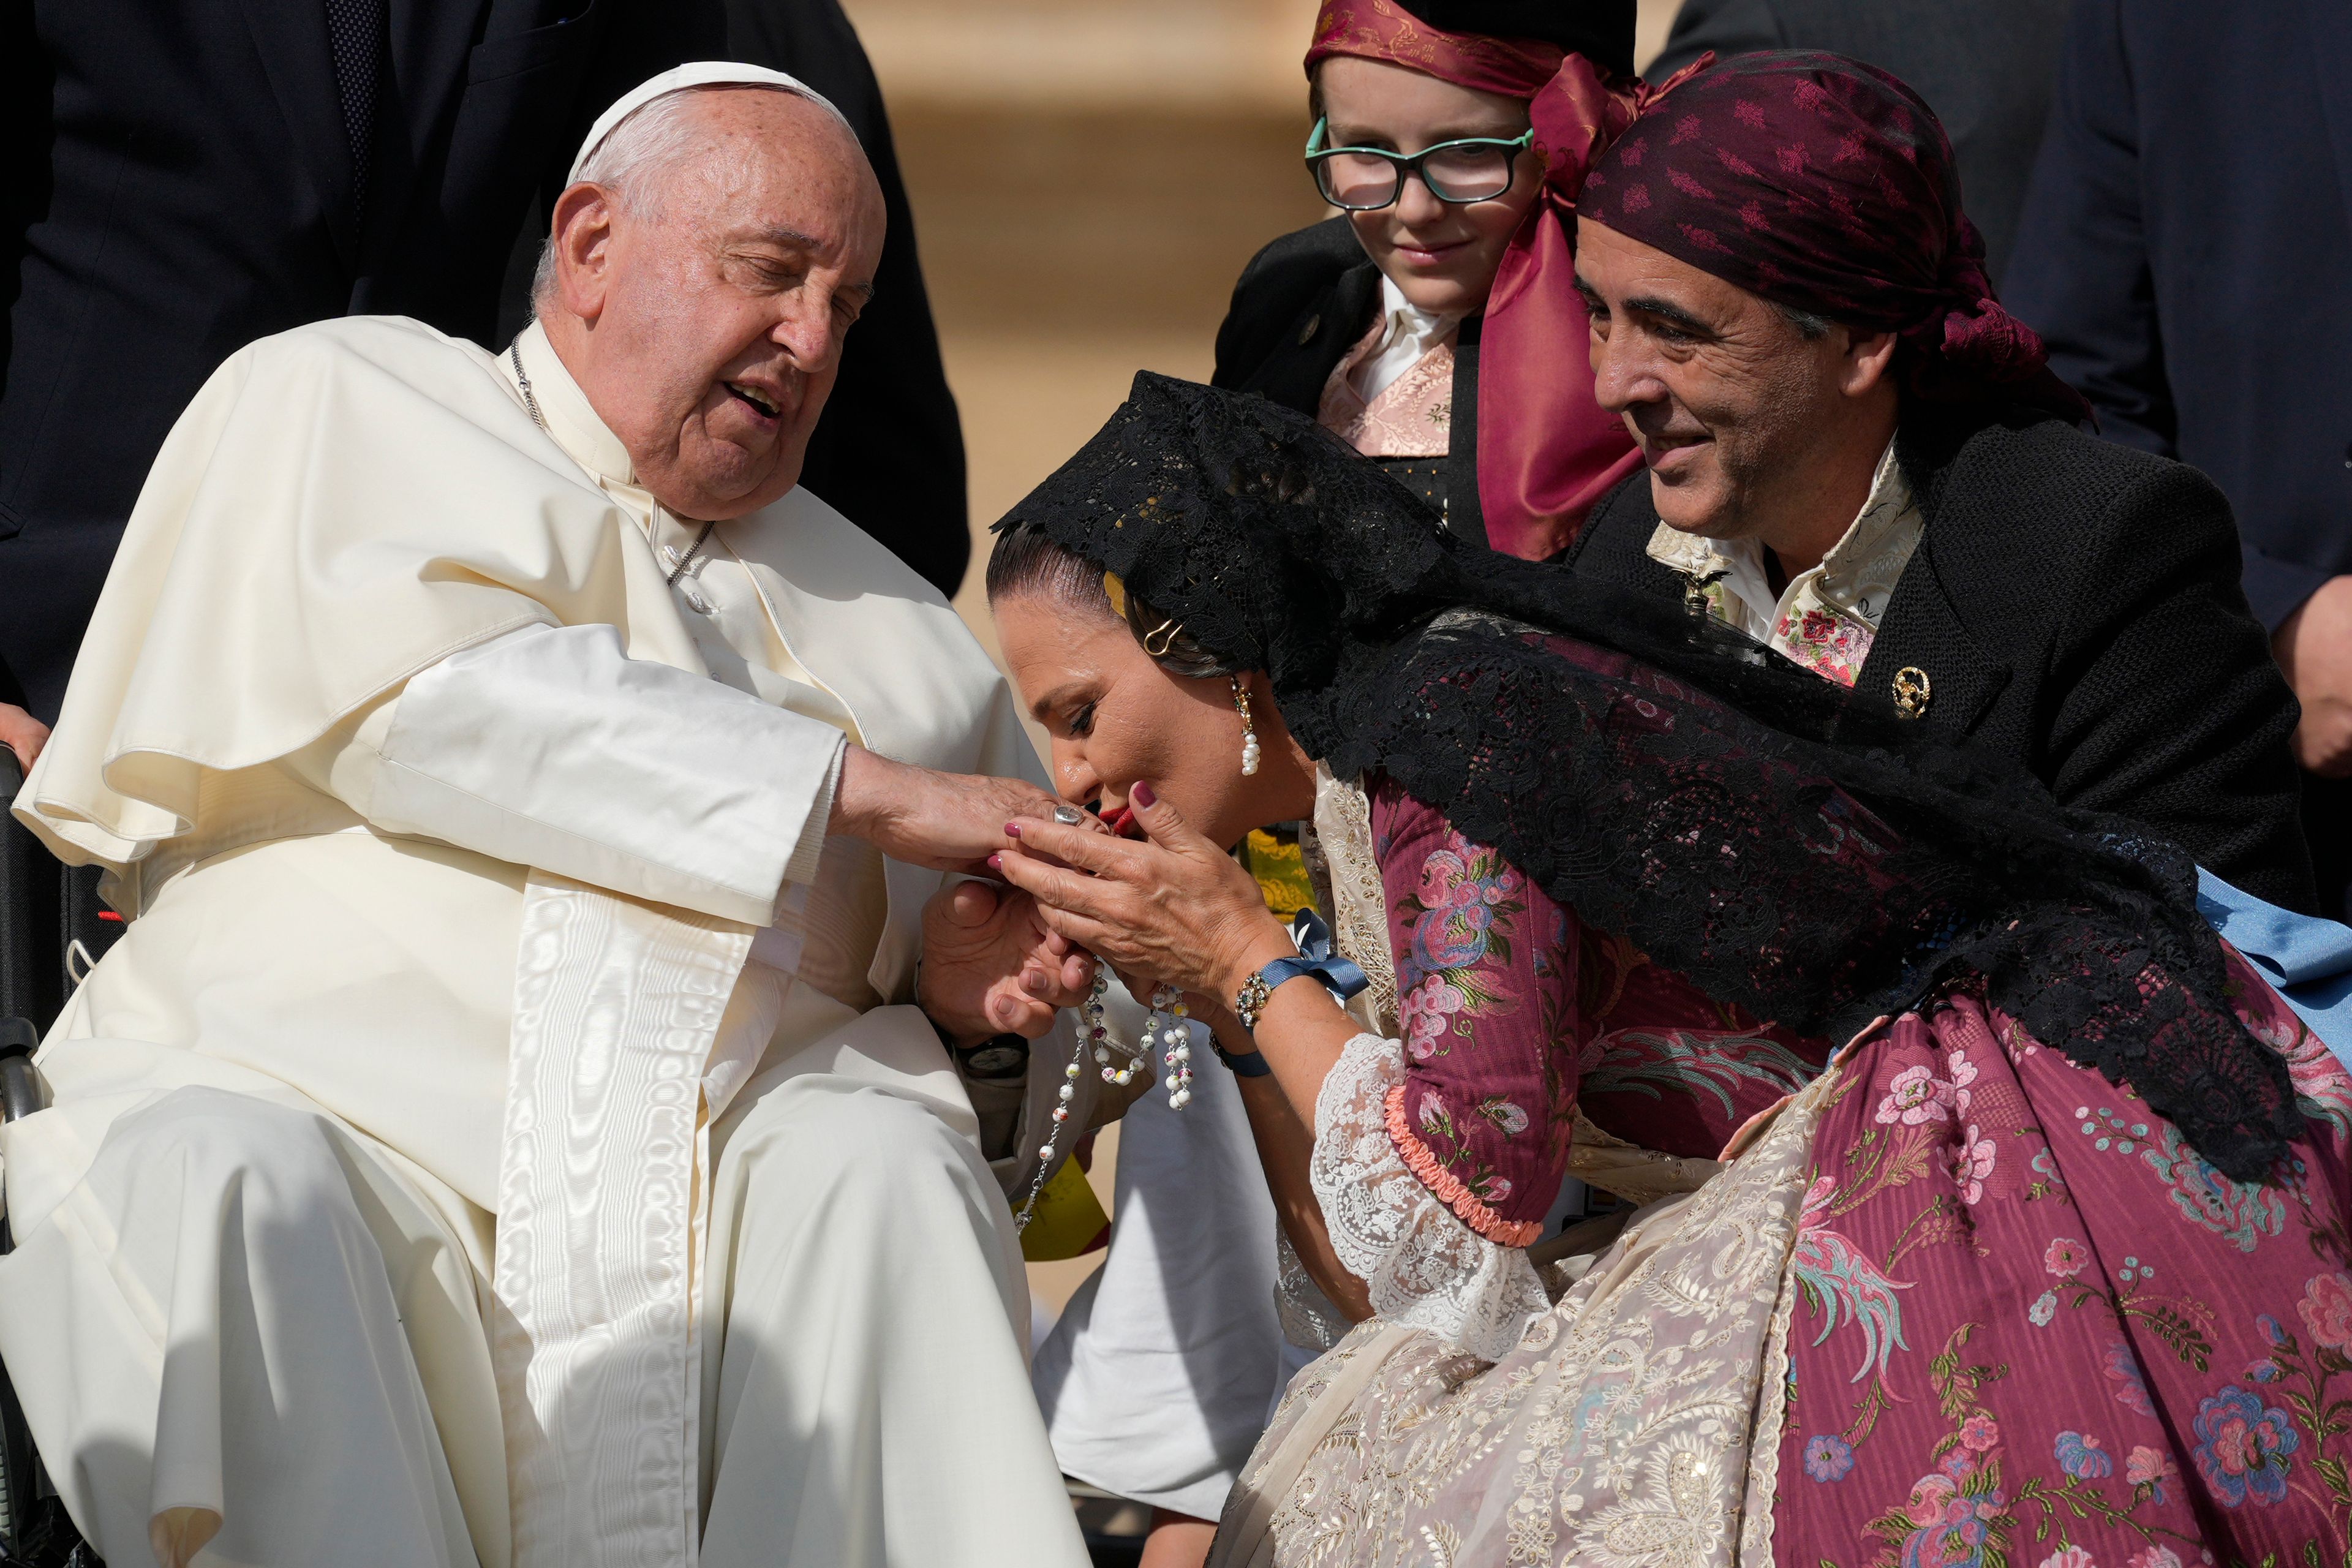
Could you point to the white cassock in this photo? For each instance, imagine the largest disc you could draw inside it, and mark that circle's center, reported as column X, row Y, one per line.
column 501, row 1135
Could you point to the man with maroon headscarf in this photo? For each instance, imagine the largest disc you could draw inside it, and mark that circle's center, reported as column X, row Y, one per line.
column 1857, row 455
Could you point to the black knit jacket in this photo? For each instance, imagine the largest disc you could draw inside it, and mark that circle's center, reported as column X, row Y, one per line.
column 2075, row 605
column 1299, row 307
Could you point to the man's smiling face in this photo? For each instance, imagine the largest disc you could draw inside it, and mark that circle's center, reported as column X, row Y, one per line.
column 1726, row 396
column 708, row 311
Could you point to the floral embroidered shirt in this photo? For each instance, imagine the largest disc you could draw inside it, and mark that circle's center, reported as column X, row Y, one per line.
column 1392, row 395
column 1827, row 617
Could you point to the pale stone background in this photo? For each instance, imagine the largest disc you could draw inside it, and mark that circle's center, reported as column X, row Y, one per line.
column 1087, row 179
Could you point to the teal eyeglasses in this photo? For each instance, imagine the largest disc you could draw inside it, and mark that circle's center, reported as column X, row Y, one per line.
column 1366, row 179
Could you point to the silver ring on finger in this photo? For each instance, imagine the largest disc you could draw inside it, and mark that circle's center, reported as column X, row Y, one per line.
column 1068, row 815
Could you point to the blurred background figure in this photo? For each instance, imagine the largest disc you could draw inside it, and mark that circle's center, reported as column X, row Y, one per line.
column 1986, row 68
column 2183, row 253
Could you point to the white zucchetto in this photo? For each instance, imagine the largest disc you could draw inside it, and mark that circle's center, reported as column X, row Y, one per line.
column 701, row 73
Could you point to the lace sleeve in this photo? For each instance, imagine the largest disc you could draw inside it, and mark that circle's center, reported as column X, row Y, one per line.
column 1423, row 1266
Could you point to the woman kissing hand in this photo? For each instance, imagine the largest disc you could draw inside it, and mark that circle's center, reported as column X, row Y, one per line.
column 1173, row 909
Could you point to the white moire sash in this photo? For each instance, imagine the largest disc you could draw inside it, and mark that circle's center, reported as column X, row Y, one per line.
column 617, row 1005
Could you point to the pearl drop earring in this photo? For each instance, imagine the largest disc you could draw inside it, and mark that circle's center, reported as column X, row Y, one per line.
column 1249, row 728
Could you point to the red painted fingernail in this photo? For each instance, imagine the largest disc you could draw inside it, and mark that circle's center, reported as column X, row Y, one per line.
column 996, row 862
column 1142, row 795
column 1011, row 830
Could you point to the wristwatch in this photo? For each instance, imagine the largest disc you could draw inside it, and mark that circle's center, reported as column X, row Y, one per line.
column 1005, row 1057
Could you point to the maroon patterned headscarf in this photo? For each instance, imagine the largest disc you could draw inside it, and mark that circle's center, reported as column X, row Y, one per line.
column 1826, row 184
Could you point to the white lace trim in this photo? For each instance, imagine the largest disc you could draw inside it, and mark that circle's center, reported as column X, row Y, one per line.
column 1425, row 1269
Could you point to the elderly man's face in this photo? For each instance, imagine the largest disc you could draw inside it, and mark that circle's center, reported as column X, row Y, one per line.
column 1745, row 423
column 707, row 323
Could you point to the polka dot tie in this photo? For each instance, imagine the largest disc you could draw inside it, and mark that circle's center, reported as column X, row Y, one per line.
column 356, row 32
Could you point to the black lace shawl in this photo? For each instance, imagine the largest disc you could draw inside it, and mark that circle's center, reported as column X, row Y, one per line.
column 1699, row 796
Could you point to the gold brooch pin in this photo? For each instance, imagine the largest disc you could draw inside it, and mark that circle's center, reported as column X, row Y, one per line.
column 1913, row 692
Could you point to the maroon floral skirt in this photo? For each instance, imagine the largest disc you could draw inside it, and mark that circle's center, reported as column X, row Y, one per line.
column 2036, row 1330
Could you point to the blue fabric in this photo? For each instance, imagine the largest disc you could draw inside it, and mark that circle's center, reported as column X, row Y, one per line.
column 2308, row 959
column 1318, row 957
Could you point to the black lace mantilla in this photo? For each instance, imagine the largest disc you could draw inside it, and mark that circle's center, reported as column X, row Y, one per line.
column 1790, row 845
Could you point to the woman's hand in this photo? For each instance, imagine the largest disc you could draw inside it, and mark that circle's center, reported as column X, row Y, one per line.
column 1174, row 911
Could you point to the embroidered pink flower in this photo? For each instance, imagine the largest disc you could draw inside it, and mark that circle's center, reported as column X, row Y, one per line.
column 2156, row 1557
column 1962, row 1070
column 1971, row 1164
column 1504, row 1115
column 2084, row 1456
column 1979, row 1433
column 1928, row 1500
column 1441, row 874
column 2327, row 1309
column 1463, row 891
column 2066, row 1256
column 2131, row 1390
column 2069, row 1557
column 2150, row 1468
column 1432, row 1113
column 1429, row 1010
column 1915, row 1094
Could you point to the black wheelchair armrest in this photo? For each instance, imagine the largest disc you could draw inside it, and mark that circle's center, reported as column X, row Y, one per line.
column 20, row 1087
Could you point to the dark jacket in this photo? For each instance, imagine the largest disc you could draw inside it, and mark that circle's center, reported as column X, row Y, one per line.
column 1301, row 304
column 1985, row 66
column 2076, row 606
column 180, row 182
column 2184, row 254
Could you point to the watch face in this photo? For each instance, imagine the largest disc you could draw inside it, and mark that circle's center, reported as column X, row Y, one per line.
column 995, row 1060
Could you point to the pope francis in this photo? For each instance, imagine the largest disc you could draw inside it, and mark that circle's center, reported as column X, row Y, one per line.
column 515, row 1128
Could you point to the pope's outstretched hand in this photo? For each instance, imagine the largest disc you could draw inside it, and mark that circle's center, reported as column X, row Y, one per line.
column 991, row 967
column 951, row 822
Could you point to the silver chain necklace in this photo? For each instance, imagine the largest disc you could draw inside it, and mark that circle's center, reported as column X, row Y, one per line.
column 514, row 352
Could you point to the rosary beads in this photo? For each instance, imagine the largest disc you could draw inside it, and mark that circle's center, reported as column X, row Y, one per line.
column 1068, row 1091
column 1168, row 1029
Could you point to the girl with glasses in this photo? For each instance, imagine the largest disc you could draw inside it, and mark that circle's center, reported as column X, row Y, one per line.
column 1434, row 323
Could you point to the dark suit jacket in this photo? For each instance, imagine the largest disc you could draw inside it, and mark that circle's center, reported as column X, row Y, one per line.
column 180, row 183
column 2184, row 252
column 1299, row 307
column 2076, row 606
column 1985, row 66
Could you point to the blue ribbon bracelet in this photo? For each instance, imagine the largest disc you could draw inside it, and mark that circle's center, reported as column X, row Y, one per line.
column 1319, row 960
